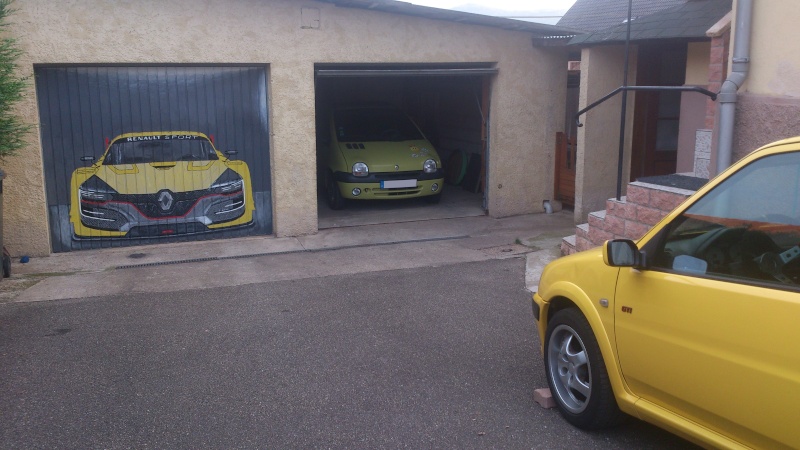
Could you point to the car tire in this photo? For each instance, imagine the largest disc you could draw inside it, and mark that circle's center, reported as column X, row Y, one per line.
column 577, row 374
column 433, row 199
column 335, row 199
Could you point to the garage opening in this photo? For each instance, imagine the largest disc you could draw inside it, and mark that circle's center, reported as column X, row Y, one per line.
column 449, row 103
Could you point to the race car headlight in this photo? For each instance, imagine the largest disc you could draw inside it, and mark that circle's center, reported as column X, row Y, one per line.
column 429, row 166
column 96, row 190
column 360, row 169
column 228, row 182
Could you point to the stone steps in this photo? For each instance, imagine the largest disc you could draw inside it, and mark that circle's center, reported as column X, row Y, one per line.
column 630, row 217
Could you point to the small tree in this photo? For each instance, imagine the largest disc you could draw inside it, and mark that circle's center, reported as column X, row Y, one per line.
column 12, row 87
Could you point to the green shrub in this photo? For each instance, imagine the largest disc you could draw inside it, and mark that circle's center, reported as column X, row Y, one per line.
column 12, row 88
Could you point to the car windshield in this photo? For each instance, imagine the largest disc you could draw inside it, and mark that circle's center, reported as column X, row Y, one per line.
column 374, row 124
column 749, row 220
column 167, row 148
column 766, row 191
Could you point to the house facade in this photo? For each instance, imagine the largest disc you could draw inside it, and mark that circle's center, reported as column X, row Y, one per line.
column 764, row 110
column 686, row 43
column 256, row 77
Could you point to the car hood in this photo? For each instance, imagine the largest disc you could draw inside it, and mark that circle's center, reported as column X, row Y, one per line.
column 383, row 156
column 149, row 178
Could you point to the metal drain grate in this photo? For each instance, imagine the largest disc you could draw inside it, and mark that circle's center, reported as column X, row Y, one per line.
column 506, row 250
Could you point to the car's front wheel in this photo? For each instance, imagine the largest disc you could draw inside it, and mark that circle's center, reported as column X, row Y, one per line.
column 335, row 199
column 577, row 373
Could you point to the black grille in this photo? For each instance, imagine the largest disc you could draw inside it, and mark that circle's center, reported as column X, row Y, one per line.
column 149, row 205
column 167, row 229
column 383, row 176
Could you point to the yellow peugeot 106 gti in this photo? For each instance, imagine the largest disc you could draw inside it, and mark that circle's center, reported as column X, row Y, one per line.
column 694, row 327
column 159, row 184
column 378, row 153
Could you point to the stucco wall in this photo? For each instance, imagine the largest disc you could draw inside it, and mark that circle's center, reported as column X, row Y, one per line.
column 598, row 139
column 763, row 119
column 693, row 105
column 527, row 98
column 769, row 101
column 774, row 47
column 697, row 54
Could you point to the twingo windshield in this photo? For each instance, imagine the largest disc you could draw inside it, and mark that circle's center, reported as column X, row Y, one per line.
column 374, row 124
column 162, row 148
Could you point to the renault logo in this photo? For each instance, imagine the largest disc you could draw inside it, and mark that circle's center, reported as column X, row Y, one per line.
column 165, row 200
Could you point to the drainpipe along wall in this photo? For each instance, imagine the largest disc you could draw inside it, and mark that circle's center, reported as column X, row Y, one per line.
column 728, row 92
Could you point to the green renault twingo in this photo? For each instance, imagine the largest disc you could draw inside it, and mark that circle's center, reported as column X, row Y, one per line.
column 379, row 153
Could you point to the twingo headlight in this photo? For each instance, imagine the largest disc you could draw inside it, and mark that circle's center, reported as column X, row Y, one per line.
column 429, row 166
column 95, row 190
column 227, row 183
column 360, row 169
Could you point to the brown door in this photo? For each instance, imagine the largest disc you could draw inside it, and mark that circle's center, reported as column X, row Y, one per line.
column 657, row 114
column 565, row 169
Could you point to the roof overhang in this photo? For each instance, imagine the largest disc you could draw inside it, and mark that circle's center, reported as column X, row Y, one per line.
column 405, row 8
column 689, row 21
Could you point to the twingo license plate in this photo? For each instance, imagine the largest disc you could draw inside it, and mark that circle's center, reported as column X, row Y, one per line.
column 395, row 184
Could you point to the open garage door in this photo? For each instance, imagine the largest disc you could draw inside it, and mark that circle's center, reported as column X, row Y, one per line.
column 143, row 154
column 448, row 103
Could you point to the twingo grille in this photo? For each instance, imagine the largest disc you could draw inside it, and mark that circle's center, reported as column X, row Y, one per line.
column 150, row 206
column 383, row 176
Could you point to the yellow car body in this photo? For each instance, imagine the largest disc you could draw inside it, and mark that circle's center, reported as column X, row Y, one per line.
column 159, row 184
column 378, row 153
column 694, row 327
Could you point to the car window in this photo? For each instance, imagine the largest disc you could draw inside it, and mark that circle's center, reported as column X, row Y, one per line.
column 134, row 151
column 747, row 228
column 374, row 124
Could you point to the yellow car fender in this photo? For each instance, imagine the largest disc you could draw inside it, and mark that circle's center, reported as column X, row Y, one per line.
column 600, row 318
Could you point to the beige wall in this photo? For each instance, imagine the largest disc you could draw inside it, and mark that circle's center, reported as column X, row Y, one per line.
column 775, row 47
column 769, row 101
column 697, row 56
column 693, row 105
column 527, row 99
column 598, row 139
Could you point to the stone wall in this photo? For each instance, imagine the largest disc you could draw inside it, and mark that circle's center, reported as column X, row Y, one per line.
column 630, row 218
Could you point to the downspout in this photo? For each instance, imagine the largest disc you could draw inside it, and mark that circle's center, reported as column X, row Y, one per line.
column 728, row 92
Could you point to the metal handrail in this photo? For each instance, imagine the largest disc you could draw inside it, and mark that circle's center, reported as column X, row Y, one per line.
column 624, row 90
column 616, row 91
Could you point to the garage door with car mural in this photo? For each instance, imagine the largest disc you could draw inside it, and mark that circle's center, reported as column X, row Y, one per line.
column 144, row 154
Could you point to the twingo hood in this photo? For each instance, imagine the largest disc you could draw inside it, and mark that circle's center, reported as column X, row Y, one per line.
column 390, row 156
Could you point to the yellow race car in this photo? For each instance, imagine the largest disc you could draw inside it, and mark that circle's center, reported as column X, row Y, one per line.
column 159, row 184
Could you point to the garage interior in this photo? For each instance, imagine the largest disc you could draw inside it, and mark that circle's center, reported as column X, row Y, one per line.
column 449, row 102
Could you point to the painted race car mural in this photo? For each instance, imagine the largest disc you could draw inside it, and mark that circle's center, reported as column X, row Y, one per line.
column 160, row 184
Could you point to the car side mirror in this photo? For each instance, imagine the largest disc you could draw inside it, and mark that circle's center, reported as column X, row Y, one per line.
column 623, row 253
column 231, row 152
column 87, row 159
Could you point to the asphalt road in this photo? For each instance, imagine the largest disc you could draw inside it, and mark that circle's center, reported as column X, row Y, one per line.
column 437, row 357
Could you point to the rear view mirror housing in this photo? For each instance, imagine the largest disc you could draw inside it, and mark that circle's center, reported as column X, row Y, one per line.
column 623, row 253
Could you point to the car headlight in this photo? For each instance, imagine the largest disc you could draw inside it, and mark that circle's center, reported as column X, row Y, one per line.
column 96, row 190
column 360, row 169
column 228, row 182
column 429, row 166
